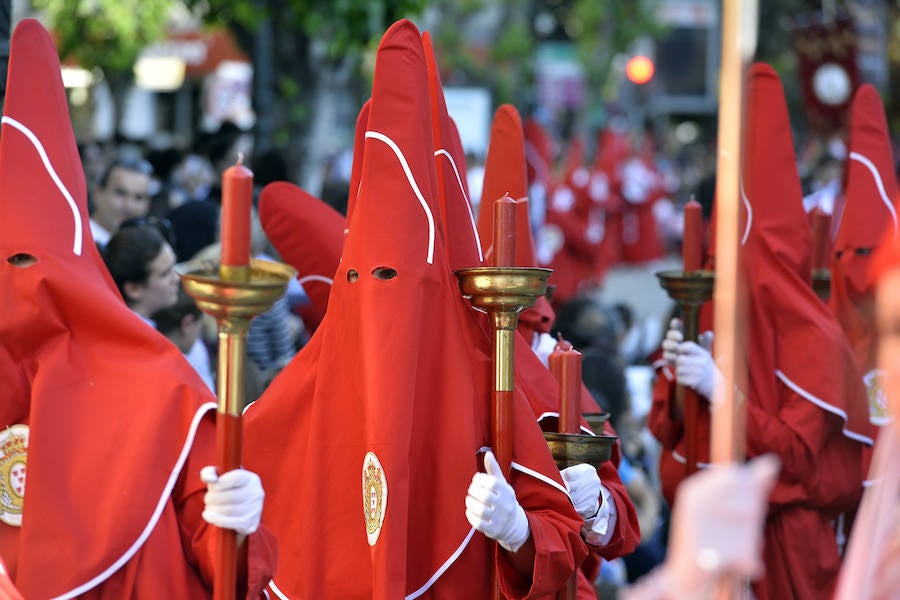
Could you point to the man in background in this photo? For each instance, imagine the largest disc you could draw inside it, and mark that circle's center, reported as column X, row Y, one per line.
column 122, row 193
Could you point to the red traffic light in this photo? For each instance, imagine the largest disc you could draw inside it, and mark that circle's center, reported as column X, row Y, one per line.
column 639, row 69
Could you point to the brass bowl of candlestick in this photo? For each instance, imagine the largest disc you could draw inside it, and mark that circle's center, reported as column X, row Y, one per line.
column 596, row 420
column 503, row 288
column 569, row 449
column 266, row 282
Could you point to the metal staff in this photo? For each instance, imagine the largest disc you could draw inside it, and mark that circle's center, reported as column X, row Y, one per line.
column 233, row 295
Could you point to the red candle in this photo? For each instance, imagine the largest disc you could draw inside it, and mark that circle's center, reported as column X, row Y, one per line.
column 237, row 197
column 692, row 244
column 565, row 365
column 821, row 228
column 504, row 232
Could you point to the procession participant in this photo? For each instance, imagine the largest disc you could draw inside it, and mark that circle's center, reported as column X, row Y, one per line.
column 805, row 396
column 869, row 213
column 577, row 229
column 610, row 528
column 113, row 424
column 389, row 393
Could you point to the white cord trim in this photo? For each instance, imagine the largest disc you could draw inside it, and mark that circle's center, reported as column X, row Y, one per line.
column 76, row 216
column 462, row 190
column 321, row 278
column 276, row 591
column 443, row 568
column 540, row 477
column 154, row 518
column 412, row 183
column 679, row 458
column 584, row 429
column 864, row 160
column 826, row 407
column 749, row 214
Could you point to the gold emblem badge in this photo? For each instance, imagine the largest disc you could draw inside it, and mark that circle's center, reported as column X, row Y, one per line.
column 878, row 407
column 374, row 496
column 13, row 453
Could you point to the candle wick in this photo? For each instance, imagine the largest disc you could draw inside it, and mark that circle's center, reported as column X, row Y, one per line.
column 240, row 158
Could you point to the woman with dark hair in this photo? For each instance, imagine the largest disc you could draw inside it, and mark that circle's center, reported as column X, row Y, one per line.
column 142, row 264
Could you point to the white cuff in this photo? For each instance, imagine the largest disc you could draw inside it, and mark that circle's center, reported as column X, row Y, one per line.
column 597, row 531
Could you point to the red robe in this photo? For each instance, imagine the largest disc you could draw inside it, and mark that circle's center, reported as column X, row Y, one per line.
column 804, row 396
column 116, row 416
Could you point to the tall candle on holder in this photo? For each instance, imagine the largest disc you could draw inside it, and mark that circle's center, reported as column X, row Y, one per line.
column 504, row 232
column 565, row 365
column 692, row 244
column 237, row 197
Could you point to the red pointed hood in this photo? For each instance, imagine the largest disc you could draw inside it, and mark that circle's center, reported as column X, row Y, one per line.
column 869, row 214
column 539, row 153
column 463, row 246
column 505, row 173
column 94, row 375
column 574, row 172
column 505, row 170
column 309, row 235
column 359, row 140
column 792, row 334
column 612, row 147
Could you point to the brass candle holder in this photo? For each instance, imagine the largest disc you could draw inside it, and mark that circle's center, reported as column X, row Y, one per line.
column 821, row 283
column 233, row 295
column 503, row 292
column 570, row 449
column 690, row 290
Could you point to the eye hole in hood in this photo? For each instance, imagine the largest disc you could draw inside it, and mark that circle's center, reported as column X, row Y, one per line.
column 384, row 273
column 22, row 260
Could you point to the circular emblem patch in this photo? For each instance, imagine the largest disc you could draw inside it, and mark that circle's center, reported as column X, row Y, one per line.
column 878, row 406
column 374, row 488
column 13, row 452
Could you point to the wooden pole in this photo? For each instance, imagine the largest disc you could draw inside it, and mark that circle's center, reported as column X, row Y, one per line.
column 728, row 408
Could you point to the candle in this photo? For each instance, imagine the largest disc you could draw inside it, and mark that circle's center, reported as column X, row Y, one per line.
column 237, row 197
column 821, row 227
column 565, row 365
column 504, row 232
column 692, row 244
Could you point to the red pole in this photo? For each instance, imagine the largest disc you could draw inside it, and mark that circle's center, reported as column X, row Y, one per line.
column 229, row 434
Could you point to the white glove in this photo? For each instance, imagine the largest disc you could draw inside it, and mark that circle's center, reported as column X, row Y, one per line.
column 492, row 508
column 544, row 345
column 705, row 340
column 717, row 525
column 696, row 369
column 234, row 500
column 674, row 336
column 584, row 489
